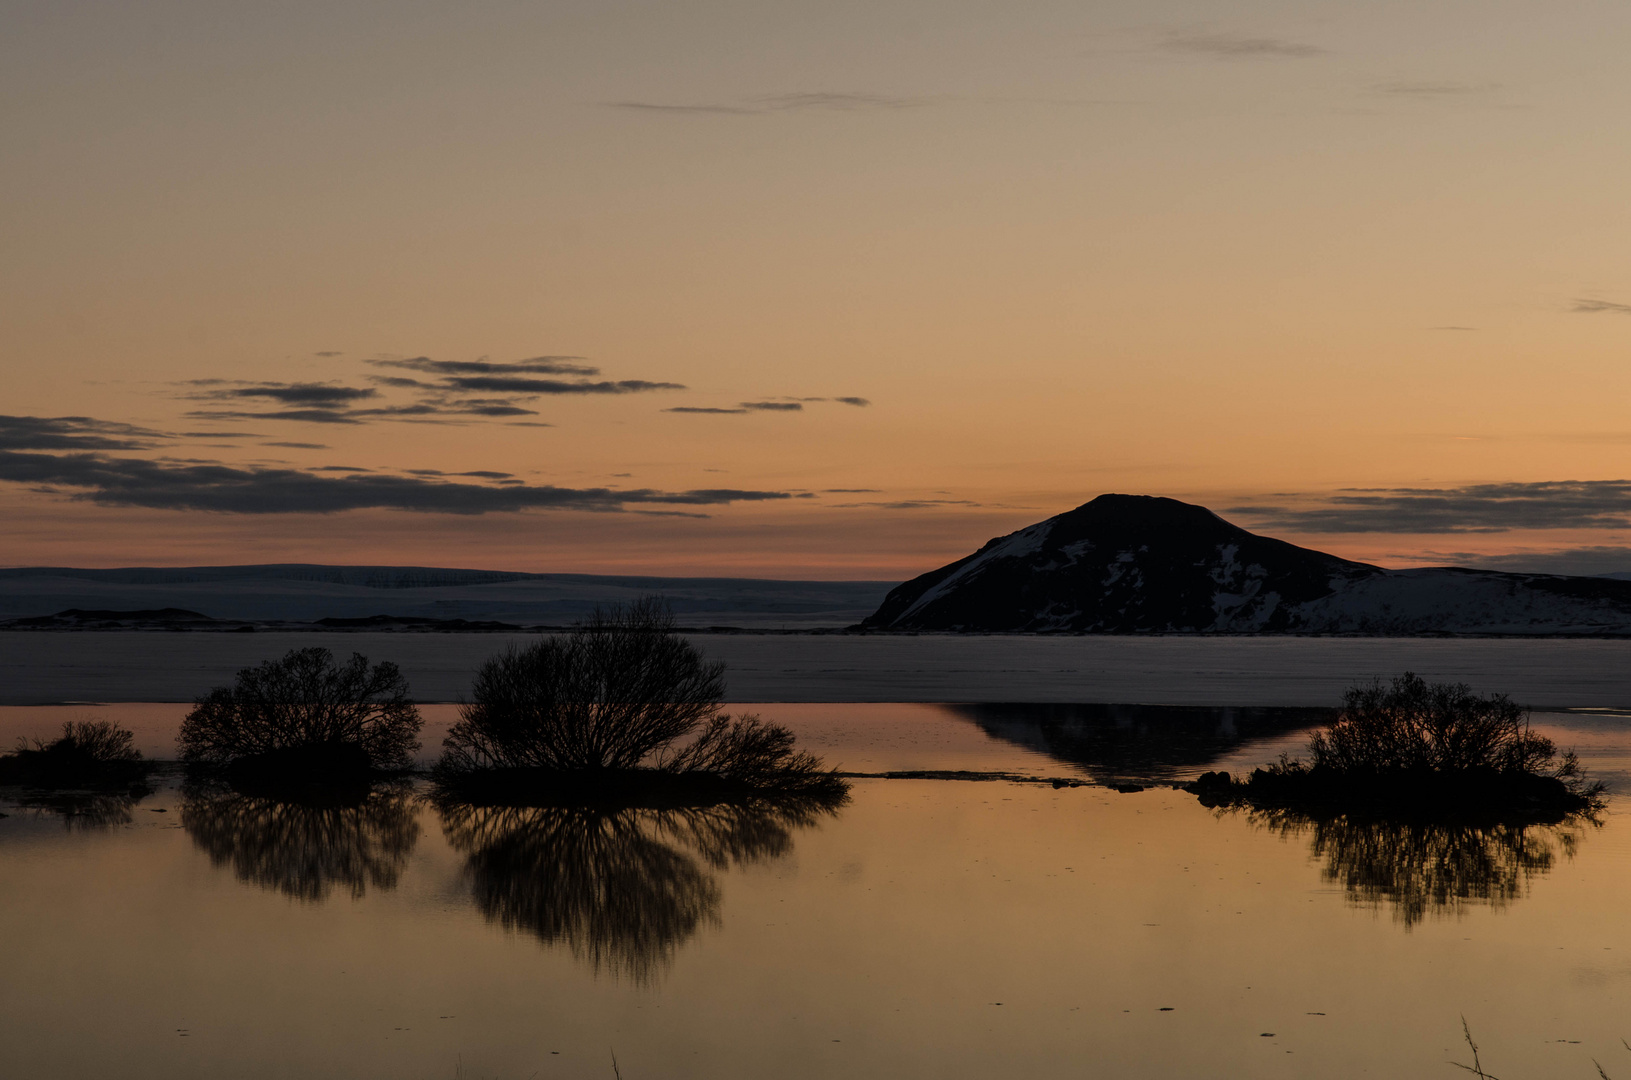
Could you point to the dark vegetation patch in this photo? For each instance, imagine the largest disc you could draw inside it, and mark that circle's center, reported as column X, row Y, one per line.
column 304, row 722
column 622, row 710
column 1411, row 750
column 95, row 755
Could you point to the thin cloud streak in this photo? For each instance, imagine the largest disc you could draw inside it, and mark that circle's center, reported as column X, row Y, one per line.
column 765, row 104
column 1479, row 508
column 1595, row 307
column 1232, row 46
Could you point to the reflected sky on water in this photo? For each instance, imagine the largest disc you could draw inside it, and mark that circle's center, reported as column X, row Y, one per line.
column 927, row 928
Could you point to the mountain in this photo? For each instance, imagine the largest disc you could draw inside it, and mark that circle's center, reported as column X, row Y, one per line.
column 1125, row 564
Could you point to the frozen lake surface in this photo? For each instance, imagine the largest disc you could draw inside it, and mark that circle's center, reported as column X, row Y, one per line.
column 38, row 668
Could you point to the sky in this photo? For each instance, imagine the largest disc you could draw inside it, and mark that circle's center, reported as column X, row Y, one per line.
column 819, row 290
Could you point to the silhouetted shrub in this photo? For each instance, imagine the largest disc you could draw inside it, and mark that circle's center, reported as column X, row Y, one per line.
column 600, row 712
column 88, row 754
column 1438, row 727
column 605, row 696
column 305, row 717
column 1428, row 751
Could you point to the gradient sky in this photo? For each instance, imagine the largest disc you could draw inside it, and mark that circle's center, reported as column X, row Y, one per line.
column 1255, row 255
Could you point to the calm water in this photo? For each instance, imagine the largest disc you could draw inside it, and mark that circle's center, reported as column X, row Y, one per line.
column 927, row 929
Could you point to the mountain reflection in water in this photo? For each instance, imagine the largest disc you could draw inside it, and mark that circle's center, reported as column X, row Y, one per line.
column 623, row 888
column 1114, row 743
column 1421, row 869
column 304, row 850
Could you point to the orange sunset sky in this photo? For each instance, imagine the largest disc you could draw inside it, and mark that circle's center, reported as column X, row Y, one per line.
column 585, row 286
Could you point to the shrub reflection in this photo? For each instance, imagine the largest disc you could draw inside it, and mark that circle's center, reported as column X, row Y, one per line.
column 305, row 849
column 623, row 888
column 1420, row 868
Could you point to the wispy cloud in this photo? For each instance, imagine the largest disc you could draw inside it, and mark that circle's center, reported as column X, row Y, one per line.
column 705, row 411
column 537, row 365
column 772, row 406
column 440, row 391
column 1427, row 88
column 320, row 394
column 762, row 104
column 859, row 402
column 1596, row 307
column 1479, row 508
column 1236, row 47
column 904, row 504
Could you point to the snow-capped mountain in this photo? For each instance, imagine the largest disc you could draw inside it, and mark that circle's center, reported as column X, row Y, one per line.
column 1141, row 564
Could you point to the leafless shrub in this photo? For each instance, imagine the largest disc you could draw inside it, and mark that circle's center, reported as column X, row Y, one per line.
column 605, row 696
column 305, row 702
column 88, row 753
column 1441, row 727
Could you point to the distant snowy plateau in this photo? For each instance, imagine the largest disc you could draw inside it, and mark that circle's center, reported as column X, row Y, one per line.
column 317, row 597
column 1126, row 564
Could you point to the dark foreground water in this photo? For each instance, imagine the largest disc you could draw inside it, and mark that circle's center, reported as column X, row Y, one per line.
column 930, row 928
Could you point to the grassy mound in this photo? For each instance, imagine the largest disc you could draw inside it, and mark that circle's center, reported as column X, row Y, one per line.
column 1414, row 750
column 89, row 755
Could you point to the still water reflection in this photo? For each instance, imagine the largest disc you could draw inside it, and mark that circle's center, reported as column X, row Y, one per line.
column 623, row 889
column 1113, row 743
column 305, row 850
column 1417, row 869
column 1138, row 936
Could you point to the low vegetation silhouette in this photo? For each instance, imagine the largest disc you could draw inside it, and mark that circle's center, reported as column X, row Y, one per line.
column 88, row 755
column 622, row 709
column 304, row 849
column 622, row 888
column 1421, row 869
column 304, row 720
column 1411, row 749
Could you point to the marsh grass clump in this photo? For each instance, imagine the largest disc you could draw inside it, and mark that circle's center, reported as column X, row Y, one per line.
column 1410, row 748
column 621, row 709
column 89, row 754
column 305, row 720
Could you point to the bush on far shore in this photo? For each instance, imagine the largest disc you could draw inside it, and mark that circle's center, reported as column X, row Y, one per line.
column 1411, row 724
column 622, row 704
column 88, row 754
column 305, row 717
column 1411, row 748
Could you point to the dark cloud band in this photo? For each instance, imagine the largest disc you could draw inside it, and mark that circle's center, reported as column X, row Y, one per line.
column 211, row 486
column 1480, row 508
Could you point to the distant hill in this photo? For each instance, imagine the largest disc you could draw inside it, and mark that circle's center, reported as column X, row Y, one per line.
column 351, row 597
column 1139, row 564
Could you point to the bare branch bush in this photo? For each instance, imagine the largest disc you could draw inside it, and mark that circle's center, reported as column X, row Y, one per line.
column 605, row 696
column 1440, row 727
column 92, row 753
column 620, row 692
column 305, row 701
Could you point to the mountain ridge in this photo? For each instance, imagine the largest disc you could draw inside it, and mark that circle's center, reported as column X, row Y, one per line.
column 1123, row 564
